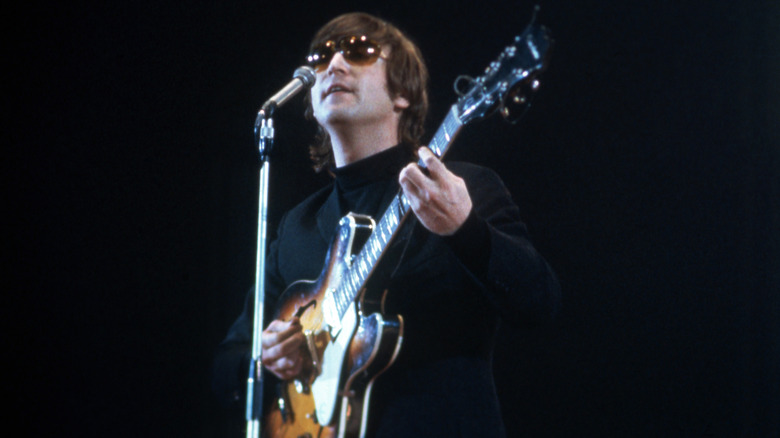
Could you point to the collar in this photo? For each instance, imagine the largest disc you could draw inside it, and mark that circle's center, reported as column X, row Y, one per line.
column 380, row 166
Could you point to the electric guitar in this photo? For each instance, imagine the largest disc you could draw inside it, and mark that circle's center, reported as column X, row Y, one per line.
column 350, row 341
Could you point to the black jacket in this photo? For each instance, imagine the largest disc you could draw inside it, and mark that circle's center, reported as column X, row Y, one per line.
column 452, row 291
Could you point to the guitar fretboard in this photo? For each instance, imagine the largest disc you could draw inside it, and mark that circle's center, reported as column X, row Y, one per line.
column 364, row 262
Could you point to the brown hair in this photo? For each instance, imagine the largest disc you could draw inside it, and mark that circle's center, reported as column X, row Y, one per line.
column 407, row 76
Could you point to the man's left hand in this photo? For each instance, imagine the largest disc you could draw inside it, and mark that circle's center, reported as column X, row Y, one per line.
column 439, row 199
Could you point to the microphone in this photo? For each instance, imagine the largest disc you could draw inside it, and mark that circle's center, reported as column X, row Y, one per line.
column 303, row 78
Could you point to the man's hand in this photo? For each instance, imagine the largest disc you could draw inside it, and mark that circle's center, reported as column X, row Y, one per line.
column 284, row 348
column 440, row 199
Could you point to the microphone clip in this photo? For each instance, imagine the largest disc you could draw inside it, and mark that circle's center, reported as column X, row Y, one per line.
column 303, row 78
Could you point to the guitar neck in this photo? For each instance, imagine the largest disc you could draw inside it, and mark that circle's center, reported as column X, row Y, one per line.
column 387, row 227
column 449, row 128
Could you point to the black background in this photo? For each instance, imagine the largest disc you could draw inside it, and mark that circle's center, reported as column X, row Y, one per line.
column 646, row 171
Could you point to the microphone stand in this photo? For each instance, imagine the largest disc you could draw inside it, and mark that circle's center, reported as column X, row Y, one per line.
column 264, row 135
column 303, row 78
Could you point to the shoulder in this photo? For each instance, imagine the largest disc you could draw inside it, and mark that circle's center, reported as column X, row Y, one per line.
column 305, row 213
column 311, row 204
column 299, row 246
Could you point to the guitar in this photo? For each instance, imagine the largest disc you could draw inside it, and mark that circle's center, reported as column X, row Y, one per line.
column 350, row 341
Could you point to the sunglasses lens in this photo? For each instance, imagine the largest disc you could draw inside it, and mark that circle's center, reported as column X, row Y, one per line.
column 356, row 50
column 360, row 50
column 321, row 55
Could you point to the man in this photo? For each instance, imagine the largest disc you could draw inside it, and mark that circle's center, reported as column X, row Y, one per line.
column 463, row 263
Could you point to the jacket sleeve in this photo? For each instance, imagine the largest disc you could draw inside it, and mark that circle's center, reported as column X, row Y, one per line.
column 494, row 246
column 231, row 362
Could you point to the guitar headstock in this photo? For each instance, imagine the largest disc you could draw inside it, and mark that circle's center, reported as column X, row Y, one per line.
column 510, row 81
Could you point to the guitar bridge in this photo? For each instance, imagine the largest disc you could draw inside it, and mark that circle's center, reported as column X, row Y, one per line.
column 312, row 346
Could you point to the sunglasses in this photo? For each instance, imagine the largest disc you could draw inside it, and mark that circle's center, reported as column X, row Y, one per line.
column 357, row 50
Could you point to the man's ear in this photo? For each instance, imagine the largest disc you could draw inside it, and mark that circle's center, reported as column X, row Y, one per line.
column 400, row 103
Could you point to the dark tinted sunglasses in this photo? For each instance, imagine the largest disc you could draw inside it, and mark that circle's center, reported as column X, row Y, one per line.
column 358, row 50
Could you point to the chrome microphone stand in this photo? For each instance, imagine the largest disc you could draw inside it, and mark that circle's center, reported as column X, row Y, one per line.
column 264, row 135
column 303, row 78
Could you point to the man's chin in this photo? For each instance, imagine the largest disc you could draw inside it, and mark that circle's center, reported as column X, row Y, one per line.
column 335, row 116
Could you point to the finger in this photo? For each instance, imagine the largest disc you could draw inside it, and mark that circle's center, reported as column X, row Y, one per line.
column 278, row 325
column 290, row 347
column 436, row 168
column 414, row 182
column 278, row 331
column 280, row 328
column 285, row 368
column 294, row 370
column 412, row 192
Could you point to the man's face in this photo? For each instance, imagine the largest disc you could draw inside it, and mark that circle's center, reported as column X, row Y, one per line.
column 346, row 93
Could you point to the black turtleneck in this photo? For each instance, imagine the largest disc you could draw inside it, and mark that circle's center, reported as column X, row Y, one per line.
column 362, row 186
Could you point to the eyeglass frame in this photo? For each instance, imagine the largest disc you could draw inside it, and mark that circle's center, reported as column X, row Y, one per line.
column 341, row 46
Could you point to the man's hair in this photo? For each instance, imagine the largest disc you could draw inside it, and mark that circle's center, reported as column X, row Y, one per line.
column 407, row 76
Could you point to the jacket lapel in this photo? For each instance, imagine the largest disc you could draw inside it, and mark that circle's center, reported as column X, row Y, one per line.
column 328, row 216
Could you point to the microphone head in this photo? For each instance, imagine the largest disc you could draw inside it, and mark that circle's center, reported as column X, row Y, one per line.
column 306, row 75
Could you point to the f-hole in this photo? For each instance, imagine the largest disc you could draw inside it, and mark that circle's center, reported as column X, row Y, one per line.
column 302, row 309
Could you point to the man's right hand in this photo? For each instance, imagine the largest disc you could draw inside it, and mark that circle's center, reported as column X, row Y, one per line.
column 284, row 348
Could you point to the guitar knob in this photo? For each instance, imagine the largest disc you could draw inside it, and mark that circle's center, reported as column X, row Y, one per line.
column 301, row 387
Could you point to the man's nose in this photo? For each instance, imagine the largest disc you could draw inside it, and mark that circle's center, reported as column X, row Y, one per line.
column 338, row 62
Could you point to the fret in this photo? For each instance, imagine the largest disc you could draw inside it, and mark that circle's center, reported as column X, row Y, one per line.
column 373, row 256
column 340, row 301
column 346, row 296
column 353, row 284
column 403, row 205
column 336, row 300
column 368, row 259
column 446, row 132
column 433, row 145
